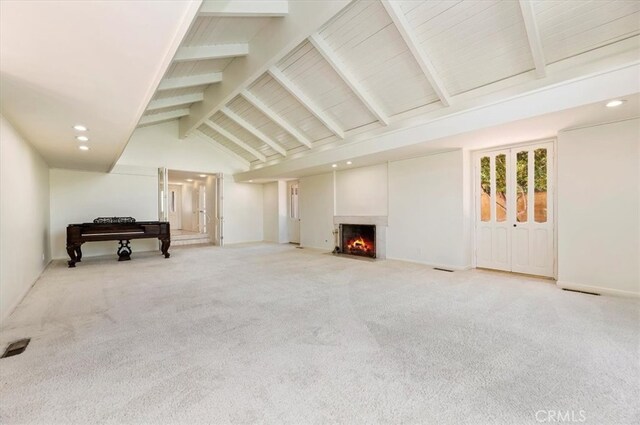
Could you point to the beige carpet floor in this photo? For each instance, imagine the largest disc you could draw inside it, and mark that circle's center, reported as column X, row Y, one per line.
column 272, row 334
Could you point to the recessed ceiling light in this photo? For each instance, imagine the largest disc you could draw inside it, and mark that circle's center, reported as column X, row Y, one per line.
column 203, row 175
column 83, row 147
column 615, row 103
column 189, row 180
column 349, row 162
column 250, row 181
column 82, row 138
column 80, row 127
column 334, row 165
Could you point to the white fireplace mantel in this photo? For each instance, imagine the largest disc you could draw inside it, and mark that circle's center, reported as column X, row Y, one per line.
column 378, row 220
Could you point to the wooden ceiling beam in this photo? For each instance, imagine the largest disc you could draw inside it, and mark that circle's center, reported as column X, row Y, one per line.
column 191, row 81
column 163, row 116
column 235, row 140
column 533, row 34
column 216, row 51
column 244, row 8
column 253, row 130
column 226, row 150
column 168, row 102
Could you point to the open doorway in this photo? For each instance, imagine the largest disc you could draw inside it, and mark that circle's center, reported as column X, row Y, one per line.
column 191, row 202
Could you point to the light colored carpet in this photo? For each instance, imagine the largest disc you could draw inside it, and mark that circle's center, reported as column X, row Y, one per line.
column 273, row 334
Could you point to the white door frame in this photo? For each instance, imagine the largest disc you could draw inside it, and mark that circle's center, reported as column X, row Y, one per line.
column 475, row 207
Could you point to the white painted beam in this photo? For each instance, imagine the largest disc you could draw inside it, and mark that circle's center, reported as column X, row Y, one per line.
column 168, row 102
column 163, row 116
column 226, row 150
column 350, row 80
column 306, row 101
column 246, row 8
column 235, row 140
column 533, row 34
column 253, row 130
column 403, row 26
column 217, row 51
column 191, row 81
column 258, row 104
column 266, row 52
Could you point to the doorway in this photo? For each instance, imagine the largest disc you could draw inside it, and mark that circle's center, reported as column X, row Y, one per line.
column 293, row 218
column 514, row 209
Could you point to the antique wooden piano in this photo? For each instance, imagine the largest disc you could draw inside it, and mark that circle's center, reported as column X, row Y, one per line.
column 122, row 229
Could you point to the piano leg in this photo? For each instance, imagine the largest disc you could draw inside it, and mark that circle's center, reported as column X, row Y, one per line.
column 124, row 251
column 71, row 250
column 78, row 254
column 165, row 247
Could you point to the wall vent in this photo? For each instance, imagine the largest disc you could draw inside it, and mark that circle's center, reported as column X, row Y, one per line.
column 16, row 347
column 442, row 270
column 581, row 292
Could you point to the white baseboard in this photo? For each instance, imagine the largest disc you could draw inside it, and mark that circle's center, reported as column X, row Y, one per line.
column 597, row 289
column 435, row 265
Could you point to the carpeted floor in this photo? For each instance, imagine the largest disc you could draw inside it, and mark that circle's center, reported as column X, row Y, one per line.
column 273, row 334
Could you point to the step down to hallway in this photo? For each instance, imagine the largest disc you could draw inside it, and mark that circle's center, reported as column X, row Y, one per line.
column 189, row 239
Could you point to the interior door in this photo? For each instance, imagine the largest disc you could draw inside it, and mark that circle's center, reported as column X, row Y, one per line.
column 293, row 219
column 202, row 209
column 514, row 209
column 175, row 206
column 163, row 198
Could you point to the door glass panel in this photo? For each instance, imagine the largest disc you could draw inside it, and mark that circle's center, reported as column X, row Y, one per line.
column 522, row 186
column 501, row 187
column 485, row 189
column 540, row 171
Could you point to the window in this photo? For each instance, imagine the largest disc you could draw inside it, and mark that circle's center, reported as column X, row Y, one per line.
column 294, row 211
column 485, row 186
column 522, row 186
column 501, row 187
column 540, row 176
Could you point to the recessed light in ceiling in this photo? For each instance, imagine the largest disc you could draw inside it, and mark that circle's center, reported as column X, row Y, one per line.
column 80, row 127
column 349, row 162
column 82, row 138
column 83, row 147
column 614, row 103
column 203, row 175
column 250, row 181
column 334, row 165
column 189, row 180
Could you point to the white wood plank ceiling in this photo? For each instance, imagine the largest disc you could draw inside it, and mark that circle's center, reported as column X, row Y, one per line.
column 372, row 64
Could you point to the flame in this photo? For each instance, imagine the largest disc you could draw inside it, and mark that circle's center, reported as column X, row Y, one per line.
column 359, row 244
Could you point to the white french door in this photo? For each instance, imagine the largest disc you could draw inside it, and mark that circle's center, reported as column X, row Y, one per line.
column 514, row 209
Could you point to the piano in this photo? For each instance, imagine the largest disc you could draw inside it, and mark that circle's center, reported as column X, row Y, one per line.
column 122, row 229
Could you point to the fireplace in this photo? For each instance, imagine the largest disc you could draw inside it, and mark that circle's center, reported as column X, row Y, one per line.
column 358, row 239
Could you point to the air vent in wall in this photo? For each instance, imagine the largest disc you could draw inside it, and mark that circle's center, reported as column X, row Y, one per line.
column 16, row 347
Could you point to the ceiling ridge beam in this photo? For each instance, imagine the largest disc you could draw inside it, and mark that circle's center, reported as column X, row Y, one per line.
column 168, row 102
column 235, row 140
column 533, row 34
column 306, row 101
column 163, row 116
column 217, row 144
column 262, row 107
column 244, row 8
column 214, row 51
column 403, row 26
column 190, row 81
column 350, row 80
column 253, row 130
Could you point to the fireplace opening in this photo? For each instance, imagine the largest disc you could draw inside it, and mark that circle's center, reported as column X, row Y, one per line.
column 358, row 239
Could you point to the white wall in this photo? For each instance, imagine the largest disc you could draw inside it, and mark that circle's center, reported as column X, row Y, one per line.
column 188, row 217
column 362, row 191
column 158, row 146
column 270, row 212
column 79, row 197
column 428, row 213
column 599, row 208
column 24, row 217
column 316, row 211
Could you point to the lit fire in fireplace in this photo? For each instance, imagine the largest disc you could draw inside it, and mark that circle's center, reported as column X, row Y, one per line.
column 359, row 245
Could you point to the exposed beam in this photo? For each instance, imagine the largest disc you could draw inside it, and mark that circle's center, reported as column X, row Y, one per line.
column 258, row 104
column 306, row 101
column 403, row 26
column 217, row 51
column 163, row 116
column 246, row 8
column 350, row 80
column 224, row 148
column 266, row 51
column 533, row 34
column 191, row 81
column 235, row 140
column 253, row 130
column 168, row 102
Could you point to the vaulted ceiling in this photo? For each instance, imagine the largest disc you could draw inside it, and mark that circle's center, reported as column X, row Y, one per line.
column 372, row 65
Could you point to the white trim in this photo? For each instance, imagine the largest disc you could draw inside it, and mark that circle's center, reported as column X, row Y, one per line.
column 597, row 289
column 244, row 8
column 533, row 34
column 306, row 101
column 349, row 79
column 169, row 102
column 191, row 81
column 404, row 28
column 216, row 51
column 433, row 265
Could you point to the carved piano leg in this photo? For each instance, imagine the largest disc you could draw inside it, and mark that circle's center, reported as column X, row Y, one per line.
column 71, row 250
column 124, row 251
column 165, row 247
column 78, row 250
